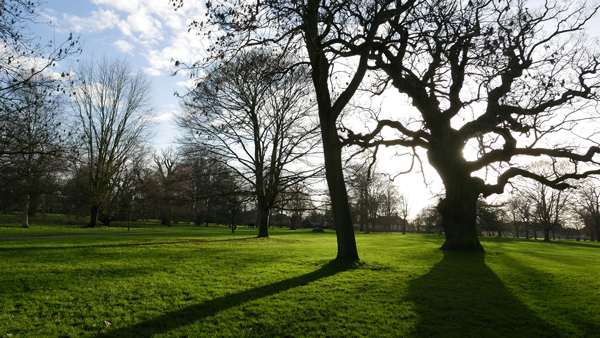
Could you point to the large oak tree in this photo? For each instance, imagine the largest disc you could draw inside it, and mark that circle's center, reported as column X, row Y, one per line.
column 493, row 83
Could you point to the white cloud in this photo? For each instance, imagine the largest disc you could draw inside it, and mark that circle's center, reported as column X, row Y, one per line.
column 183, row 46
column 165, row 113
column 98, row 21
column 124, row 46
column 151, row 28
column 186, row 84
column 146, row 28
column 163, row 117
column 153, row 72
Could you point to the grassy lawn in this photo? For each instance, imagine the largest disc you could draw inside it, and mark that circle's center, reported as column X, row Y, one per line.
column 213, row 283
column 48, row 225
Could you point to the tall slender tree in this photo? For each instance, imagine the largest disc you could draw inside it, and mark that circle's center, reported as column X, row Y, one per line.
column 112, row 106
column 253, row 114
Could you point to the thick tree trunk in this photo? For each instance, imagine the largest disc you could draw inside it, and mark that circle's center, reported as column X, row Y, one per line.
column 404, row 227
column 263, row 222
column 516, row 232
column 93, row 216
column 546, row 235
column 294, row 222
column 25, row 220
column 332, row 151
column 459, row 217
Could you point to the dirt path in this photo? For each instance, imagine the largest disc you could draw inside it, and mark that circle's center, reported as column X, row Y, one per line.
column 86, row 235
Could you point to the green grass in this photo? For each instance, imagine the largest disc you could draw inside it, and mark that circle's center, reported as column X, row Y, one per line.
column 50, row 224
column 213, row 283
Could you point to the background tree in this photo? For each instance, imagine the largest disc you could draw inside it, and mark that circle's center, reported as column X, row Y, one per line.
column 208, row 183
column 390, row 203
column 112, row 108
column 403, row 210
column 428, row 219
column 167, row 169
column 298, row 201
column 489, row 217
column 122, row 188
column 75, row 190
column 32, row 145
column 549, row 206
column 518, row 210
column 367, row 190
column 25, row 64
column 254, row 117
column 588, row 206
column 329, row 34
column 491, row 82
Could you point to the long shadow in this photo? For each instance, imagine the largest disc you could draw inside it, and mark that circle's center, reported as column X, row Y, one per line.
column 589, row 244
column 585, row 244
column 191, row 314
column 461, row 296
column 119, row 245
column 69, row 247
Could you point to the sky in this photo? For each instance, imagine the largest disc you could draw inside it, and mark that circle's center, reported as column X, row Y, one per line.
column 150, row 34
column 147, row 33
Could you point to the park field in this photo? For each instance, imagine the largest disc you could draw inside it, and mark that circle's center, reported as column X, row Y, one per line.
column 202, row 282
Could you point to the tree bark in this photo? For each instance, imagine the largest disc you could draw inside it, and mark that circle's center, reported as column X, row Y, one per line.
column 25, row 220
column 546, row 235
column 93, row 216
column 328, row 114
column 332, row 151
column 459, row 217
column 263, row 222
column 294, row 222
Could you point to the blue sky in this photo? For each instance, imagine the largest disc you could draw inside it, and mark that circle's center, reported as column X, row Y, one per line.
column 148, row 33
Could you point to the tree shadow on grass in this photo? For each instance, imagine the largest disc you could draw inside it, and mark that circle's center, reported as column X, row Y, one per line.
column 91, row 246
column 194, row 313
column 584, row 244
column 462, row 297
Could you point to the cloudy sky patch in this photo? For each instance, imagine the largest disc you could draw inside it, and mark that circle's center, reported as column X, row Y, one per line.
column 150, row 34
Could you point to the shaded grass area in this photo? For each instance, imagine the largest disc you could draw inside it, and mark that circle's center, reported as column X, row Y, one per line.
column 214, row 283
column 57, row 224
